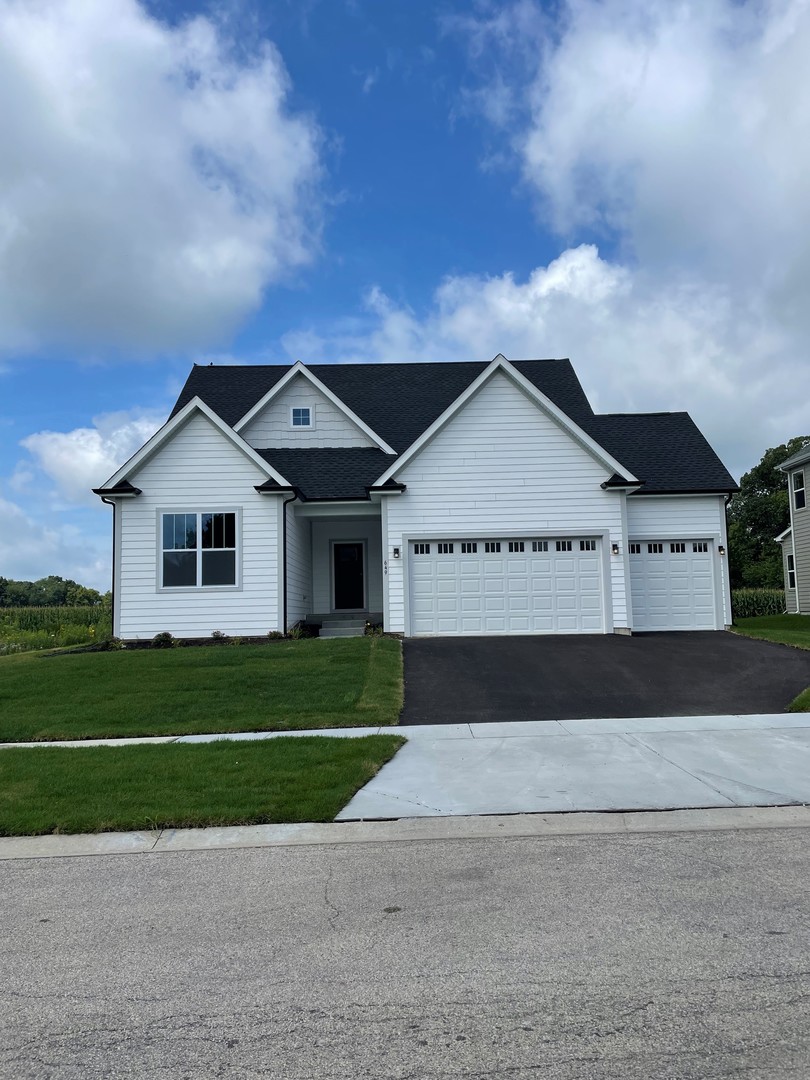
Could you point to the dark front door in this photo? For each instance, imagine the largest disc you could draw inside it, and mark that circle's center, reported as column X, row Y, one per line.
column 348, row 570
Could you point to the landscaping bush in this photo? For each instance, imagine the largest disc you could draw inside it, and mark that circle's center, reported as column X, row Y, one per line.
column 750, row 603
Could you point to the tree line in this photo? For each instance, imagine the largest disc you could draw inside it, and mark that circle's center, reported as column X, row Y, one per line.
column 757, row 513
column 51, row 591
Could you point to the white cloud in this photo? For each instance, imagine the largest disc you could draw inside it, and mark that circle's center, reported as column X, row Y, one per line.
column 153, row 179
column 31, row 549
column 634, row 346
column 76, row 461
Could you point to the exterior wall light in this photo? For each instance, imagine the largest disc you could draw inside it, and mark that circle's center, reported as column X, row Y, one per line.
column 614, row 549
column 396, row 553
column 721, row 550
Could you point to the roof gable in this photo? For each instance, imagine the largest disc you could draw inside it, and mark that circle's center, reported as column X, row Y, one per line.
column 175, row 424
column 502, row 365
column 299, row 371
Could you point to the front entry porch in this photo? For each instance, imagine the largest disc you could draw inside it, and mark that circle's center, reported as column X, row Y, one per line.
column 335, row 567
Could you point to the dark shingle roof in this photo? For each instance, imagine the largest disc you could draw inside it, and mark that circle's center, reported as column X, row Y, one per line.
column 400, row 401
column 397, row 401
column 330, row 473
column 665, row 450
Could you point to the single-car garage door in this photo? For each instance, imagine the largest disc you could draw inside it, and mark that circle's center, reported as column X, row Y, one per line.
column 509, row 586
column 672, row 585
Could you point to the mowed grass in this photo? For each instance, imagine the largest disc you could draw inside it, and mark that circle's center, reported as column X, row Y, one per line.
column 278, row 686
column 98, row 789
column 784, row 629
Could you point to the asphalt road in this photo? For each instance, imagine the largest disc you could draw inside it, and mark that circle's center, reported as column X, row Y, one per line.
column 648, row 957
column 473, row 680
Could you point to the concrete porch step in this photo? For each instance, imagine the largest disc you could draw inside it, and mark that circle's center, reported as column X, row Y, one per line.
column 343, row 631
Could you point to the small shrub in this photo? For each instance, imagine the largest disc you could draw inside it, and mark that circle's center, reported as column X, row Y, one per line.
column 235, row 641
column 111, row 644
column 373, row 629
column 163, row 640
column 218, row 635
column 295, row 633
column 749, row 603
column 274, row 635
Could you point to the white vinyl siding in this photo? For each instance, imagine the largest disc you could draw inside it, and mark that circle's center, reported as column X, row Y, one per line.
column 198, row 469
column 329, row 529
column 299, row 567
column 506, row 591
column 328, row 425
column 501, row 467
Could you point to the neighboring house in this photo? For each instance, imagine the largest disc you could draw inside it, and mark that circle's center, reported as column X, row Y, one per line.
column 447, row 498
column 795, row 540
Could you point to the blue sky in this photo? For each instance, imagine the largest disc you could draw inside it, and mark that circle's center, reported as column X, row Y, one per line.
column 621, row 182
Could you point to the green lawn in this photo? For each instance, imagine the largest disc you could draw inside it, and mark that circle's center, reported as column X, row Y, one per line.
column 98, row 789
column 278, row 686
column 785, row 629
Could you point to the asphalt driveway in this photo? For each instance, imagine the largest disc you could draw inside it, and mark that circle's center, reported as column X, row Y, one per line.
column 486, row 680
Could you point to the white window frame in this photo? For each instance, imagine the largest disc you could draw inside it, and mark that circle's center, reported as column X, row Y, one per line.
column 199, row 587
column 797, row 484
column 791, row 571
column 302, row 408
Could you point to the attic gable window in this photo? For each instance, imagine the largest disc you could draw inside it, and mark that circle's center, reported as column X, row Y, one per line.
column 798, row 490
column 301, row 417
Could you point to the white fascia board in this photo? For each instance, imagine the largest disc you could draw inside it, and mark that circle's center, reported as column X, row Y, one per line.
column 500, row 363
column 300, row 369
column 799, row 458
column 178, row 421
column 783, row 535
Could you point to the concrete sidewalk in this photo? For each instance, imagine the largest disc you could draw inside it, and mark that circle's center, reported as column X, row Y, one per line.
column 656, row 763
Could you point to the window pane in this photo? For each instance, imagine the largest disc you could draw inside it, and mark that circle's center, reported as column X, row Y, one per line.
column 230, row 530
column 168, row 531
column 179, row 568
column 219, row 568
column 187, row 538
column 206, row 530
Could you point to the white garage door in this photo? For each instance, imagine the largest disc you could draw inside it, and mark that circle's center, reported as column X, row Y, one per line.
column 510, row 586
column 672, row 585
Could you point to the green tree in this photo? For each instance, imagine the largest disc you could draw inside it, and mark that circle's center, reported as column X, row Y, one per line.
column 758, row 513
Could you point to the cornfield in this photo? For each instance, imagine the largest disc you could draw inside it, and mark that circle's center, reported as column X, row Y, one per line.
column 26, row 629
column 748, row 603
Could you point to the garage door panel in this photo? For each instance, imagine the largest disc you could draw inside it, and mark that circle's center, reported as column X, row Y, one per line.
column 672, row 589
column 552, row 592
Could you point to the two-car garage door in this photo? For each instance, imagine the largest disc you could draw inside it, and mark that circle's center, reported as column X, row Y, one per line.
column 508, row 586
column 555, row 586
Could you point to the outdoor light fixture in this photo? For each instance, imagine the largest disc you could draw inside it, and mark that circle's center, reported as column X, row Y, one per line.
column 396, row 553
column 614, row 548
column 721, row 550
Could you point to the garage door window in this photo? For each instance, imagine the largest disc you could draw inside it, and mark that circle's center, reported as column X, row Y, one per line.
column 563, row 545
column 700, row 546
column 492, row 547
column 587, row 545
column 421, row 549
column 470, row 548
column 539, row 545
column 635, row 549
column 515, row 546
column 677, row 549
column 655, row 549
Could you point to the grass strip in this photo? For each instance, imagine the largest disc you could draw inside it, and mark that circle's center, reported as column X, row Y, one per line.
column 102, row 789
column 782, row 629
column 278, row 686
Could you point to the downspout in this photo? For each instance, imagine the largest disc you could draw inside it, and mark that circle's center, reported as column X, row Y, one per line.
column 284, row 557
column 111, row 503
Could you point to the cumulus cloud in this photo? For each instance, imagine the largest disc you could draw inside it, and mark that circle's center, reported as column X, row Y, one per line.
column 634, row 346
column 76, row 461
column 31, row 549
column 153, row 179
